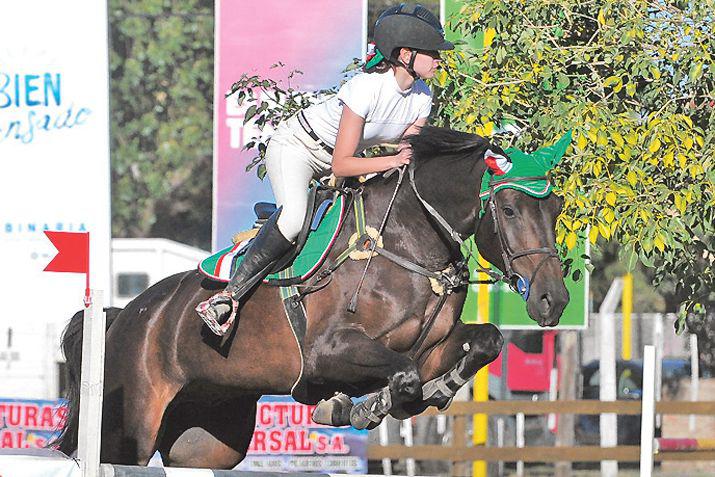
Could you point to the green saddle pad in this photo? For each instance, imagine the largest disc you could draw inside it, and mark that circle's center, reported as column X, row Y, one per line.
column 324, row 230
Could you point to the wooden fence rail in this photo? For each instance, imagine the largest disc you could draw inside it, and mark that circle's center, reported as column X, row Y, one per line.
column 584, row 406
column 459, row 451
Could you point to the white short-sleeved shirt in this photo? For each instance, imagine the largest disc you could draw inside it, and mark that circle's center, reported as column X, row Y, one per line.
column 388, row 111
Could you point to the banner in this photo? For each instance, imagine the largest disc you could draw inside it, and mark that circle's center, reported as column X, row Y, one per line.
column 319, row 38
column 29, row 423
column 287, row 440
column 54, row 164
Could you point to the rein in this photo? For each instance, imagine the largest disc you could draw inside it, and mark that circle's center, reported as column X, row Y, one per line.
column 352, row 306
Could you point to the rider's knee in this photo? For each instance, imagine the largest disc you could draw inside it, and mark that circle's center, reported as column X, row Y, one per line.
column 290, row 224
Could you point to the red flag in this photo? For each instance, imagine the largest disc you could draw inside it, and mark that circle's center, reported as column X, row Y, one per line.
column 72, row 255
column 72, row 252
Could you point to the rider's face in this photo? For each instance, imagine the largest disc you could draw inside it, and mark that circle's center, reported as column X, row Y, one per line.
column 426, row 63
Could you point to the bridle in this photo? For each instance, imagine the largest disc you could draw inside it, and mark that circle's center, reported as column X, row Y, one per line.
column 516, row 281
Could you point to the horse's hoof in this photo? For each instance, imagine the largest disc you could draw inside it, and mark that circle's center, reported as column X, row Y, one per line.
column 333, row 412
column 362, row 418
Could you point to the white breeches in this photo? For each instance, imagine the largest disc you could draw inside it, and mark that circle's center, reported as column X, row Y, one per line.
column 293, row 158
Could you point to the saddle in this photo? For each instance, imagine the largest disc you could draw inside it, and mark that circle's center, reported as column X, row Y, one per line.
column 324, row 216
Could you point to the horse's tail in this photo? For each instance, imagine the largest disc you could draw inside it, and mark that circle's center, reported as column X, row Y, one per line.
column 72, row 348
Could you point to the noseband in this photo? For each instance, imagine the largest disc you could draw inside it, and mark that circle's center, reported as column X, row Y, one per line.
column 517, row 282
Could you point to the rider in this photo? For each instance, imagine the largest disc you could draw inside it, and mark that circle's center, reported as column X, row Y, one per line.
column 388, row 101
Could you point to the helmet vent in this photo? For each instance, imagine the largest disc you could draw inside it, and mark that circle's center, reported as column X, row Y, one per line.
column 425, row 15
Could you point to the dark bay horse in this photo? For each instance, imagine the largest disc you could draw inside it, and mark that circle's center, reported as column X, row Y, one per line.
column 172, row 386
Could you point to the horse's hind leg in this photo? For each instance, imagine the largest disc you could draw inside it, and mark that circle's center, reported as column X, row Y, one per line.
column 198, row 434
column 451, row 364
column 134, row 403
column 132, row 419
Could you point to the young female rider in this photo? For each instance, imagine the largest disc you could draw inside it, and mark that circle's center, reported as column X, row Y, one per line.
column 385, row 103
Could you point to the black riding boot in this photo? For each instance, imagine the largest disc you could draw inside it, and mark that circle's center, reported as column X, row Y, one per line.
column 218, row 312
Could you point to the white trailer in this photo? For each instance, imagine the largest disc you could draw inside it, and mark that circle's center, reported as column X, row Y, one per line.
column 139, row 263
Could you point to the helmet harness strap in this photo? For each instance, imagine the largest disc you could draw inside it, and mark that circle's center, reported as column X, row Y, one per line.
column 410, row 67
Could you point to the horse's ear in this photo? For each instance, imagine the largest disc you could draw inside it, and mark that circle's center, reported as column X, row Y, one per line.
column 556, row 151
column 499, row 164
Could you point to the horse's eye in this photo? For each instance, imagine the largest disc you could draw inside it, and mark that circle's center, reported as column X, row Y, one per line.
column 508, row 211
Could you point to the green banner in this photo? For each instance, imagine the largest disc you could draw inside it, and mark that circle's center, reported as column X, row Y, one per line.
column 507, row 308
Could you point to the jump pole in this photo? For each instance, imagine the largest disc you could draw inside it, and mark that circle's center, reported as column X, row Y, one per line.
column 648, row 411
column 626, row 309
column 91, row 386
column 607, row 371
column 481, row 380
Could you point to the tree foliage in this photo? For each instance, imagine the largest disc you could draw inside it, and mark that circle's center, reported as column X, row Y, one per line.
column 277, row 101
column 161, row 63
column 635, row 81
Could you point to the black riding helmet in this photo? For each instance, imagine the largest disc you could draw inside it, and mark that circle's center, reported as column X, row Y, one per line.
column 408, row 26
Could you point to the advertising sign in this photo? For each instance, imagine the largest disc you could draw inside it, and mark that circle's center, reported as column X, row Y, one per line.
column 54, row 156
column 319, row 38
column 286, row 439
column 30, row 423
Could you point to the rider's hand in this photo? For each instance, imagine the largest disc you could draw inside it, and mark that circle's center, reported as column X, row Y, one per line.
column 402, row 157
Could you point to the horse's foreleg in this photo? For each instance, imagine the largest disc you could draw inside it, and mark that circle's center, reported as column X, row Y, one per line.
column 451, row 364
column 350, row 356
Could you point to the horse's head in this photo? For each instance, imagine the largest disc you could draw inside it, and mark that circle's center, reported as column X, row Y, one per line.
column 515, row 213
column 516, row 228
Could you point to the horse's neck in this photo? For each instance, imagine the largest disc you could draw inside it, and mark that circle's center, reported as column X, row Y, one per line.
column 410, row 230
column 451, row 186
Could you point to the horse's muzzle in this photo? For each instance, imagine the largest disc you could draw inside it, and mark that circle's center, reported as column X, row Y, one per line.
column 546, row 306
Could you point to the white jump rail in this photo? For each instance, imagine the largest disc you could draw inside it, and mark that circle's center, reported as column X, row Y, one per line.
column 91, row 392
column 51, row 463
column 648, row 411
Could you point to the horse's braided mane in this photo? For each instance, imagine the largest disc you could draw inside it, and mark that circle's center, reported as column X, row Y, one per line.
column 434, row 141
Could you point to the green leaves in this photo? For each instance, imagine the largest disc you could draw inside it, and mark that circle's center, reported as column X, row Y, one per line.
column 635, row 82
column 269, row 102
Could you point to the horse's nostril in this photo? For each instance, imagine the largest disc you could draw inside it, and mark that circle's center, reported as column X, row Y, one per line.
column 546, row 302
